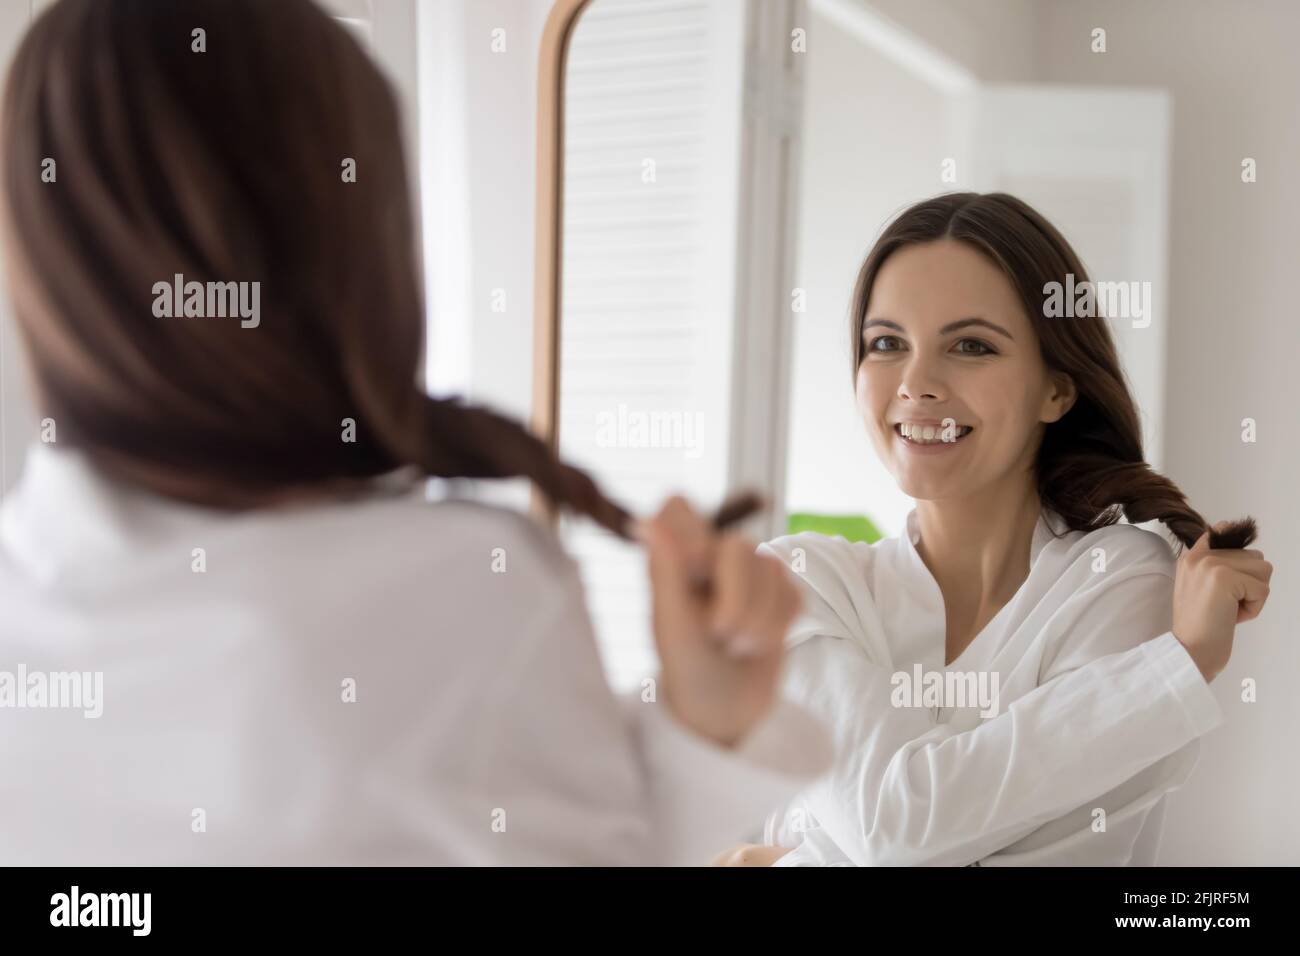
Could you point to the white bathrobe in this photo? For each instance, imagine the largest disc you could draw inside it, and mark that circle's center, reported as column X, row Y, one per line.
column 1099, row 707
column 390, row 681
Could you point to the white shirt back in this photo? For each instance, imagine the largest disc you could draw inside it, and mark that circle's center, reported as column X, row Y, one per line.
column 388, row 681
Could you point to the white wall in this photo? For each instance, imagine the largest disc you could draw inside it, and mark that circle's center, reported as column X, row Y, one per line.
column 501, row 136
column 479, row 153
column 997, row 40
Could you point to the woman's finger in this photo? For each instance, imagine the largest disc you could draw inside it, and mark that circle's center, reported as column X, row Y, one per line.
column 675, row 606
column 1243, row 561
column 732, row 584
column 789, row 603
column 691, row 533
column 762, row 617
column 1252, row 594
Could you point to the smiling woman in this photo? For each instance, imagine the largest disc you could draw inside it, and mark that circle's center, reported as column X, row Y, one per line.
column 1000, row 255
column 1017, row 436
column 924, row 377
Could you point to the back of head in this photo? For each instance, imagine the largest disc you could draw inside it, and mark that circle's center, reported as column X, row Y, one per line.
column 229, row 145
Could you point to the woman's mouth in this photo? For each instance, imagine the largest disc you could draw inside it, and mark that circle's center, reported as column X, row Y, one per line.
column 929, row 437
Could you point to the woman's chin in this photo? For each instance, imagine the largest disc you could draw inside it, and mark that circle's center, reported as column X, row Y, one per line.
column 927, row 488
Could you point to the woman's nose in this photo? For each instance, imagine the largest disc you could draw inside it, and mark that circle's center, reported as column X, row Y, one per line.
column 919, row 382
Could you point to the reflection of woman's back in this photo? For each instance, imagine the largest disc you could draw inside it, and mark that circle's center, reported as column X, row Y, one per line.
column 1075, row 695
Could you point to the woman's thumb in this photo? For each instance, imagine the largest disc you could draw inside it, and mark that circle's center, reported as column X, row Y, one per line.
column 667, row 567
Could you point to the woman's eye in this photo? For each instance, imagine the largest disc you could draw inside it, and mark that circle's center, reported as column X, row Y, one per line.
column 892, row 343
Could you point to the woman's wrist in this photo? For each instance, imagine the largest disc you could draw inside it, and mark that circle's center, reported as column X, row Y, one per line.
column 1209, row 668
column 726, row 738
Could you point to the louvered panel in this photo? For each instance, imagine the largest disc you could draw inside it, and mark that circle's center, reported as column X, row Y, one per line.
column 641, row 322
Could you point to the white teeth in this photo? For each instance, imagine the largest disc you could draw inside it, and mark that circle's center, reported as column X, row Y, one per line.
column 928, row 434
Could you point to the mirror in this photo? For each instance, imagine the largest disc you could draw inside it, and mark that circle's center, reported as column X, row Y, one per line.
column 718, row 170
column 641, row 379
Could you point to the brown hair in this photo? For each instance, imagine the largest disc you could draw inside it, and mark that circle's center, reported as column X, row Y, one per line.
column 1090, row 467
column 225, row 165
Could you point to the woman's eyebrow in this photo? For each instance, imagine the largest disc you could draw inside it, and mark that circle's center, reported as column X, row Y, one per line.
column 950, row 327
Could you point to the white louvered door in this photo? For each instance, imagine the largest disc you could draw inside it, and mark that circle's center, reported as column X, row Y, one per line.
column 656, row 131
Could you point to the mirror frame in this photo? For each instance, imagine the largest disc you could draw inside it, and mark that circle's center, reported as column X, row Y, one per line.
column 548, row 228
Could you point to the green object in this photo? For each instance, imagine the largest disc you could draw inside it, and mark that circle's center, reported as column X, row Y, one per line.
column 850, row 527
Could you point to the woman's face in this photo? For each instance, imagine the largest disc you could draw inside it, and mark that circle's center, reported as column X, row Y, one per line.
column 947, row 344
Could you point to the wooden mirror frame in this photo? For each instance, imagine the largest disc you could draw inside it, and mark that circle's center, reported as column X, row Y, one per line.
column 549, row 228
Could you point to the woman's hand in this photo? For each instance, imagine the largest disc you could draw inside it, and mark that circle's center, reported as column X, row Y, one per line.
column 721, row 612
column 1214, row 591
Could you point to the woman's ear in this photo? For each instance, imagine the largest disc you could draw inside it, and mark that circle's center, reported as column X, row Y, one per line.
column 1060, row 399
